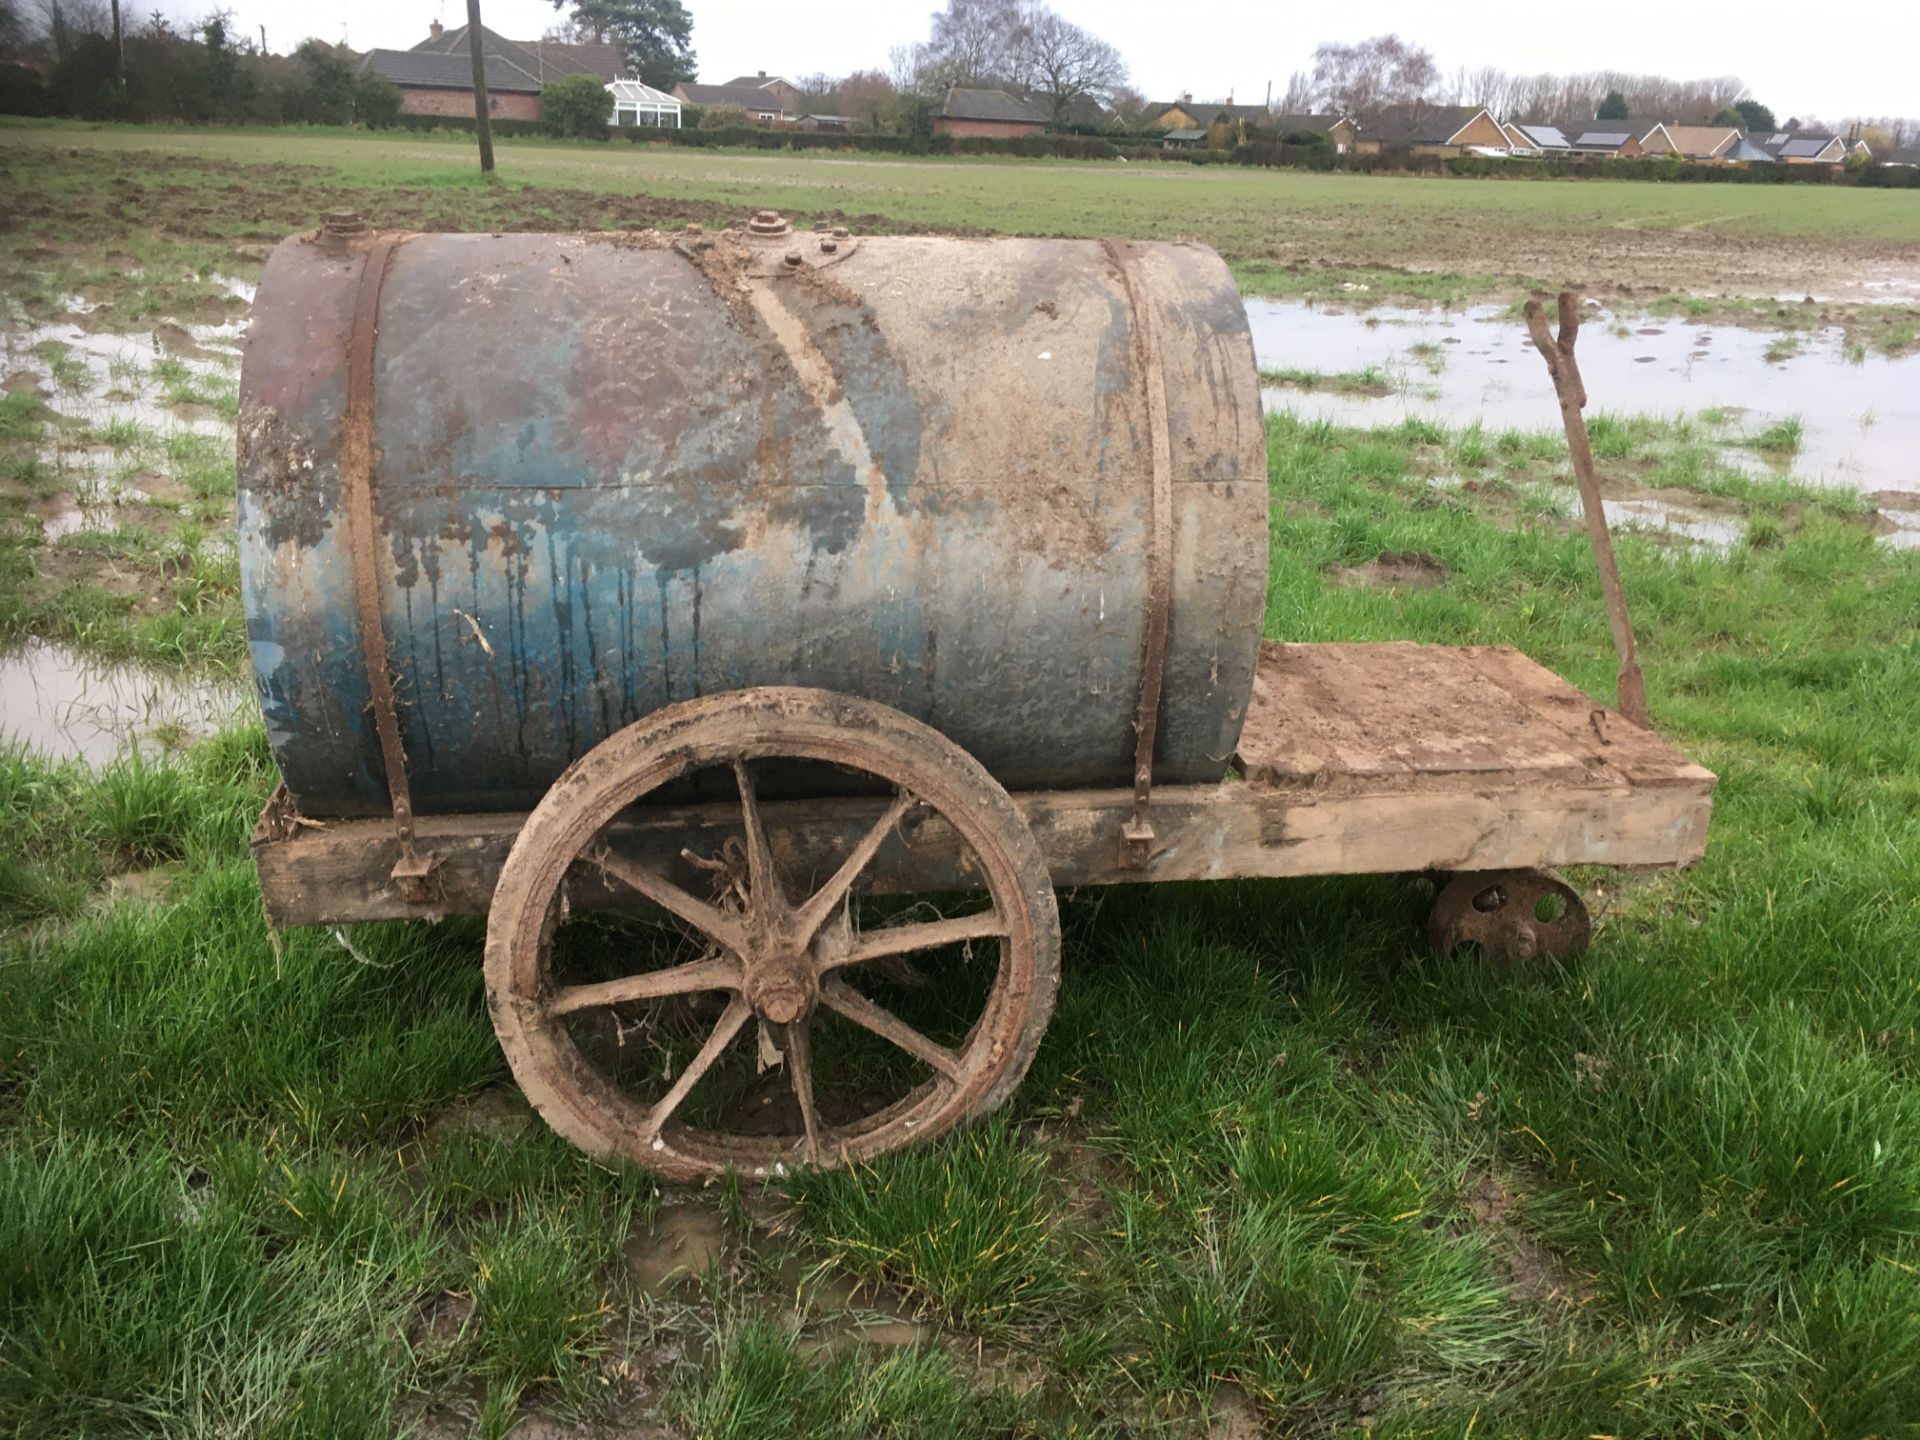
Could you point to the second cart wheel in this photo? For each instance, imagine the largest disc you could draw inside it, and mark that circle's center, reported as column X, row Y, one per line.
column 1514, row 916
column 781, row 1018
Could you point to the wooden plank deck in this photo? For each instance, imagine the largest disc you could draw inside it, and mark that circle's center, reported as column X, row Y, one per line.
column 1355, row 759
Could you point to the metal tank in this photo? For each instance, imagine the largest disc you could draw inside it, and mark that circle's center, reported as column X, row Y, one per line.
column 603, row 473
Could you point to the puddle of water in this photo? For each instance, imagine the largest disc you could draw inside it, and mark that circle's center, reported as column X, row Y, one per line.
column 679, row 1246
column 1860, row 419
column 121, row 389
column 1711, row 532
column 68, row 707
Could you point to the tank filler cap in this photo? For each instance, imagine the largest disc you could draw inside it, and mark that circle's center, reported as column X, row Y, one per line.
column 768, row 224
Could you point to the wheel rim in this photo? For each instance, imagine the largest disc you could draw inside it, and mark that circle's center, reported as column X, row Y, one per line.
column 783, row 958
column 1514, row 916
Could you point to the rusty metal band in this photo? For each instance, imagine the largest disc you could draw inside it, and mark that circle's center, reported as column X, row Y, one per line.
column 1153, row 659
column 356, row 479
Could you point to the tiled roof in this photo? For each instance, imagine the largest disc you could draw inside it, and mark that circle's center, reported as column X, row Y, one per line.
column 1418, row 124
column 747, row 97
column 1285, row 123
column 444, row 61
column 963, row 104
column 431, row 71
column 1211, row 110
column 1698, row 140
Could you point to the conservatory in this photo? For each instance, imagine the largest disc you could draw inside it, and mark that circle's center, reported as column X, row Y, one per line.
column 635, row 103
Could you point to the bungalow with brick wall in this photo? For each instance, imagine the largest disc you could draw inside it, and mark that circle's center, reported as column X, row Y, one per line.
column 992, row 114
column 435, row 77
column 1704, row 143
column 1608, row 139
column 1802, row 147
column 1424, row 129
column 773, row 103
column 1187, row 113
column 1539, row 139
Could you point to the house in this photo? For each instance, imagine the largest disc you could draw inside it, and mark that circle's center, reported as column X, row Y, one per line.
column 1605, row 138
column 790, row 96
column 1858, row 148
column 1183, row 139
column 1186, row 113
column 1517, row 141
column 771, row 103
column 1427, row 129
column 1690, row 142
column 990, row 113
column 1803, row 147
column 1541, row 139
column 435, row 77
column 1338, row 129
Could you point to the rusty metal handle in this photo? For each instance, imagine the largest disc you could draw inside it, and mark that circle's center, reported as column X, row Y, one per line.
column 1136, row 834
column 356, row 480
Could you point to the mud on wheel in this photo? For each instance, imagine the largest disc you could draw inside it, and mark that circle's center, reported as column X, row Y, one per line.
column 777, row 1014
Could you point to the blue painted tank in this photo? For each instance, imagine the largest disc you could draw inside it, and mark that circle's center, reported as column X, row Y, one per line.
column 614, row 471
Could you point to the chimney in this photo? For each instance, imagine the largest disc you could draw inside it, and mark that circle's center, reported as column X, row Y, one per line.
column 434, row 30
column 763, row 74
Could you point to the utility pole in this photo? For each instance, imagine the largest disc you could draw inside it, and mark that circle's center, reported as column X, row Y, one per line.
column 476, row 47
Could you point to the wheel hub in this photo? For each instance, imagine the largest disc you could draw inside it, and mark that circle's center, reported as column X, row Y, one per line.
column 781, row 984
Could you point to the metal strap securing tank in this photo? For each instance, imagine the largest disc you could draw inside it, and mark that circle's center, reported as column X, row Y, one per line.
column 1136, row 834
column 356, row 479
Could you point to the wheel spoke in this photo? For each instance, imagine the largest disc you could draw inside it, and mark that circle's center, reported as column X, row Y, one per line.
column 736, row 1015
column 712, row 923
column 815, row 912
column 799, row 1055
column 905, row 939
column 762, row 883
column 844, row 1000
column 713, row 974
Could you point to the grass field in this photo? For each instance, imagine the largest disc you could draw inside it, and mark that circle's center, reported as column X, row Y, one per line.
column 1317, row 232
column 1276, row 1170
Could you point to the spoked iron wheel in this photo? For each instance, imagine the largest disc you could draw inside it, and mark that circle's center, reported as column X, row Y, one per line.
column 1514, row 916
column 784, row 1017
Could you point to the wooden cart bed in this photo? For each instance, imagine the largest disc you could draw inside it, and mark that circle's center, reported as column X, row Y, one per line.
column 1355, row 759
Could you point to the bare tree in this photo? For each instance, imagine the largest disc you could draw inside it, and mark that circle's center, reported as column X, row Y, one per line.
column 910, row 69
column 1385, row 70
column 817, row 85
column 1299, row 97
column 1063, row 62
column 868, row 98
column 1131, row 110
column 973, row 41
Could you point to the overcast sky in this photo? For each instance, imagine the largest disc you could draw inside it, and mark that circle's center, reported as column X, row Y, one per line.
column 1858, row 59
